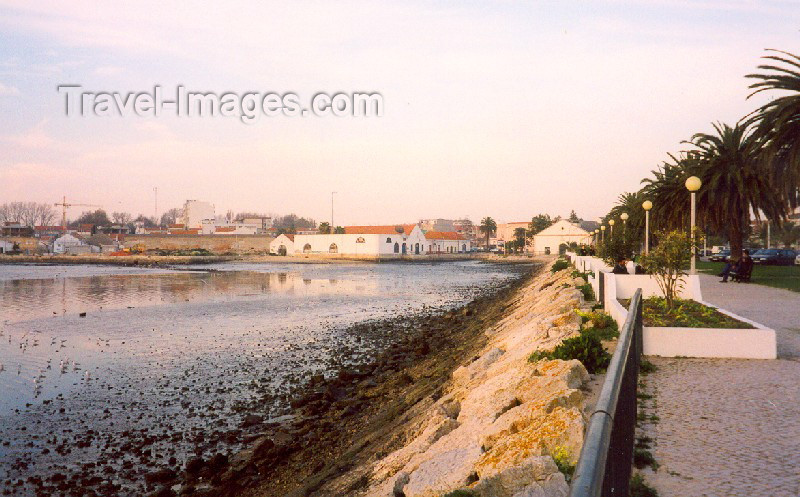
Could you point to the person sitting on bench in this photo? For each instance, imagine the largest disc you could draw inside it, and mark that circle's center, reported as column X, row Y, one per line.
column 744, row 269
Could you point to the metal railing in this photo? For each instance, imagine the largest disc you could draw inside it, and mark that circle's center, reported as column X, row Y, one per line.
column 604, row 467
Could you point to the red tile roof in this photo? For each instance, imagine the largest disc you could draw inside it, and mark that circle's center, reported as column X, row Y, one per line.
column 289, row 236
column 379, row 230
column 185, row 232
column 443, row 235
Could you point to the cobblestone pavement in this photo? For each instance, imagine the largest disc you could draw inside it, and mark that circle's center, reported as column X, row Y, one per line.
column 730, row 427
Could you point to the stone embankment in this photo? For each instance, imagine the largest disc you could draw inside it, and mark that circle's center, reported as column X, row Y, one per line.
column 501, row 418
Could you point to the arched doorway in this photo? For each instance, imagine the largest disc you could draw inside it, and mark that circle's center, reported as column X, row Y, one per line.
column 333, row 249
column 282, row 250
column 464, row 248
column 396, row 248
column 404, row 248
column 307, row 248
column 562, row 249
column 416, row 248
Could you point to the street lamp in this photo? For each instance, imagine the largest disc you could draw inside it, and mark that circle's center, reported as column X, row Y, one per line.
column 624, row 217
column 603, row 233
column 693, row 184
column 647, row 205
column 611, row 222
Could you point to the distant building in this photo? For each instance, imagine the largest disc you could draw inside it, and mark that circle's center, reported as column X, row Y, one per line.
column 67, row 244
column 282, row 245
column 261, row 224
column 557, row 237
column 195, row 212
column 467, row 229
column 12, row 228
column 436, row 225
column 447, row 242
column 364, row 240
column 505, row 231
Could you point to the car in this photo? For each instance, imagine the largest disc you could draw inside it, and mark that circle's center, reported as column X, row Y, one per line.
column 721, row 256
column 775, row 257
column 797, row 260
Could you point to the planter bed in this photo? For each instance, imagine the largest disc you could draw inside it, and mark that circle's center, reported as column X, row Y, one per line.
column 701, row 330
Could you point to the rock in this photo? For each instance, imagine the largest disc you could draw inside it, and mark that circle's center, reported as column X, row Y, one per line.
column 160, row 476
column 513, row 479
column 443, row 473
column 555, row 486
column 252, row 420
column 400, row 482
column 194, row 465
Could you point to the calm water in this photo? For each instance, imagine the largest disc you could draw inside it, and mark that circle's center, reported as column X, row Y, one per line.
column 91, row 355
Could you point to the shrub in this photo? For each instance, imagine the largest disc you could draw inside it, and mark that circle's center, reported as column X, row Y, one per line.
column 639, row 488
column 586, row 290
column 666, row 262
column 559, row 265
column 599, row 324
column 647, row 367
column 460, row 493
column 643, row 457
column 563, row 462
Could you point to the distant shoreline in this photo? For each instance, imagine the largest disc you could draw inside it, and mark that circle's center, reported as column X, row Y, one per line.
column 179, row 260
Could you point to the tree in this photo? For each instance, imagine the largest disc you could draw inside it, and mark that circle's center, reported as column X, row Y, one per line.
column 777, row 123
column 539, row 223
column 734, row 182
column 487, row 227
column 573, row 218
column 339, row 230
column 28, row 213
column 171, row 216
column 519, row 236
column 122, row 218
column 324, row 228
column 95, row 218
column 146, row 221
column 667, row 262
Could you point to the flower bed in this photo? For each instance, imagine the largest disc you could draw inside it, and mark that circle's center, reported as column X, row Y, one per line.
column 685, row 314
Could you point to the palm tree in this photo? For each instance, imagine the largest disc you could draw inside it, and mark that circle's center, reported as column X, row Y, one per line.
column 324, row 228
column 734, row 182
column 778, row 122
column 668, row 193
column 488, row 226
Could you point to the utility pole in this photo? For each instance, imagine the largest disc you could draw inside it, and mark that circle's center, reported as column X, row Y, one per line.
column 155, row 191
column 333, row 229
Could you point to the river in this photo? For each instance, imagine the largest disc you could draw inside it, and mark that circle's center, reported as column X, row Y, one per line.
column 115, row 370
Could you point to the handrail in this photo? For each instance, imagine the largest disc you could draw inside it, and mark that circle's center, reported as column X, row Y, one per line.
column 604, row 467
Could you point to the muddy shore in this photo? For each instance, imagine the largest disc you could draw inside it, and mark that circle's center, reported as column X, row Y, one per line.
column 337, row 424
column 416, row 354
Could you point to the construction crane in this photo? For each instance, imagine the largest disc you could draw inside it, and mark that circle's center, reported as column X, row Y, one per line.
column 64, row 206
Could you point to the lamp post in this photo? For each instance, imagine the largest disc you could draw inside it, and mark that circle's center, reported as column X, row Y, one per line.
column 611, row 223
column 624, row 217
column 603, row 233
column 693, row 184
column 647, row 205
column 332, row 229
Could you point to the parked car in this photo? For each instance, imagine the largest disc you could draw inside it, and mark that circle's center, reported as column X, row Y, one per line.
column 721, row 256
column 797, row 260
column 774, row 257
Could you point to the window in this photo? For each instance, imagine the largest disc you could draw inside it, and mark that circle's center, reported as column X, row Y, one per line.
column 333, row 249
column 389, row 240
column 360, row 239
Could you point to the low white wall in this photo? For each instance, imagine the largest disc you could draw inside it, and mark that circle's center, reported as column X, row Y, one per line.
column 758, row 343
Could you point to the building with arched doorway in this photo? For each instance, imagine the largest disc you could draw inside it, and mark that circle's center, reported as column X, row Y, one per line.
column 373, row 241
column 447, row 242
column 282, row 245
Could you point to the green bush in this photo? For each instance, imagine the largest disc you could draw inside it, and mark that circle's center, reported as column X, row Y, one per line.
column 460, row 493
column 562, row 459
column 586, row 290
column 600, row 325
column 643, row 457
column 639, row 488
column 559, row 265
column 586, row 348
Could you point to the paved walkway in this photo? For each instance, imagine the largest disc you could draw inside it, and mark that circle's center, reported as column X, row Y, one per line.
column 731, row 427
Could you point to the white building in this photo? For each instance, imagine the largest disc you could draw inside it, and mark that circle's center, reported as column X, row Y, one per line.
column 447, row 242
column 555, row 238
column 195, row 212
column 67, row 243
column 365, row 240
column 282, row 245
column 437, row 225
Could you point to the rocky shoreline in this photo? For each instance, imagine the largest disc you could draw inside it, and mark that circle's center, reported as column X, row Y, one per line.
column 455, row 404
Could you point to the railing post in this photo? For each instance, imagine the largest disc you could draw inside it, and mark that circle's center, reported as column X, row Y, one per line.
column 602, row 286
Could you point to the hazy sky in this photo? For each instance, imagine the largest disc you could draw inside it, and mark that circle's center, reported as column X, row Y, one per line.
column 497, row 109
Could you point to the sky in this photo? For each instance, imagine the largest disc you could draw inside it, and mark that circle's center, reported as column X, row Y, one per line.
column 497, row 109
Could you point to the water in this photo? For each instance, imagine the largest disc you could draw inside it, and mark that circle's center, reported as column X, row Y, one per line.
column 126, row 368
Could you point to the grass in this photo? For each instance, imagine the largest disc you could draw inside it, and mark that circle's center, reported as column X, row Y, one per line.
column 685, row 314
column 786, row 277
